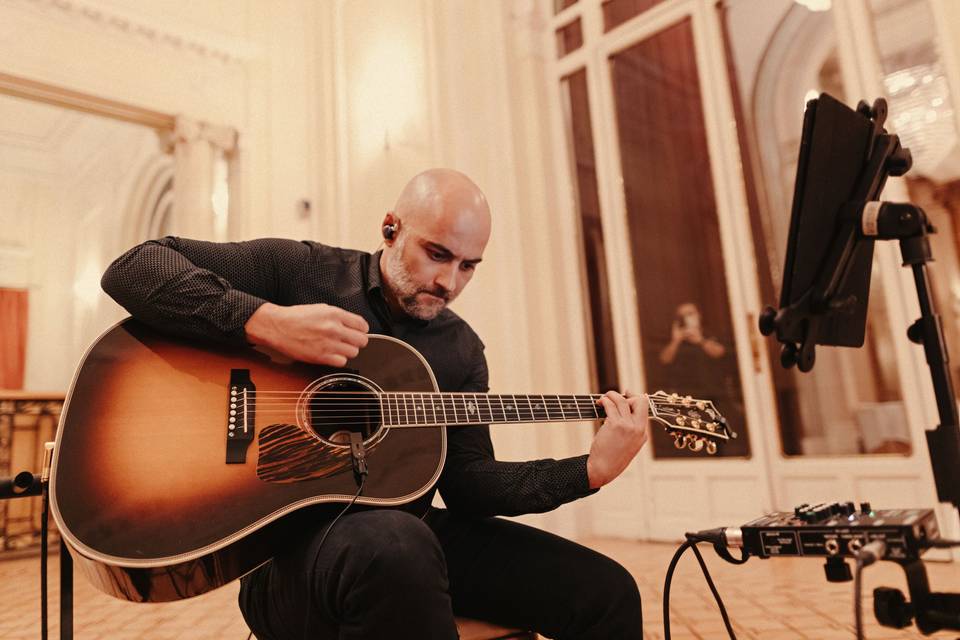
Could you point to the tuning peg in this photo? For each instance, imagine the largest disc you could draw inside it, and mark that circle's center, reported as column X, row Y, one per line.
column 701, row 405
column 673, row 397
column 681, row 420
column 696, row 444
column 687, row 401
column 695, row 423
column 677, row 441
column 711, row 447
column 712, row 426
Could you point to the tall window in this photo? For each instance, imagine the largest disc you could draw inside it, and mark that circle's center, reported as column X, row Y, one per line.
column 678, row 265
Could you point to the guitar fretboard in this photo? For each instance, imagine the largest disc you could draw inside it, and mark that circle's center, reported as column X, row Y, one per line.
column 435, row 409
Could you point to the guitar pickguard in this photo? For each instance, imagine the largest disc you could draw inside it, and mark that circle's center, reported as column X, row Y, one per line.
column 287, row 454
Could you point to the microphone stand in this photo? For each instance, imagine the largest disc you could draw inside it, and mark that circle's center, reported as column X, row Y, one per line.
column 25, row 485
column 908, row 224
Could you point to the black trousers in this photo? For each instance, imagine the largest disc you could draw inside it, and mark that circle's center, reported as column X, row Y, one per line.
column 387, row 574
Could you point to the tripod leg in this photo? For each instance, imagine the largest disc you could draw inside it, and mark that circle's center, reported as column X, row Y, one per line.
column 66, row 593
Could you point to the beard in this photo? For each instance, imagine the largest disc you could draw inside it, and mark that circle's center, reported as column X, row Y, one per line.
column 409, row 294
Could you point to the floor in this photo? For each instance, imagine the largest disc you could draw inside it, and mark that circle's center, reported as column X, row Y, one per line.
column 766, row 599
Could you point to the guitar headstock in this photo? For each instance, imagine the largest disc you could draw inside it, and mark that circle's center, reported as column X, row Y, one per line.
column 694, row 424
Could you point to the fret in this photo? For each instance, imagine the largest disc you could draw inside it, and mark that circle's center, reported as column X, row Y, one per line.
column 556, row 408
column 449, row 401
column 406, row 409
column 489, row 417
column 428, row 409
column 576, row 406
column 389, row 412
column 443, row 409
column 433, row 406
column 466, row 406
column 478, row 401
column 554, row 411
column 568, row 406
column 587, row 407
column 560, row 404
column 496, row 409
column 418, row 410
column 517, row 402
column 475, row 417
column 540, row 409
column 533, row 416
column 512, row 406
column 601, row 412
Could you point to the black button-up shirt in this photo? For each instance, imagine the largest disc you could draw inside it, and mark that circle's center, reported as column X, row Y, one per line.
column 209, row 290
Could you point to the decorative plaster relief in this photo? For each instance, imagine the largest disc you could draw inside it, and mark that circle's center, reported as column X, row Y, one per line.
column 152, row 29
column 189, row 130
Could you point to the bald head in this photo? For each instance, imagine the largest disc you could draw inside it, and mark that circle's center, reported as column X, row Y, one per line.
column 440, row 228
column 446, row 198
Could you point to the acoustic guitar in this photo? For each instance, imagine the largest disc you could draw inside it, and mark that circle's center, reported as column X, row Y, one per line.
column 182, row 465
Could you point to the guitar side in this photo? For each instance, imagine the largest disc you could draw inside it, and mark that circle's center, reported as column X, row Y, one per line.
column 140, row 487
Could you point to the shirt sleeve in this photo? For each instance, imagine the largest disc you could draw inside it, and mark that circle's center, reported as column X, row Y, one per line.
column 203, row 289
column 475, row 483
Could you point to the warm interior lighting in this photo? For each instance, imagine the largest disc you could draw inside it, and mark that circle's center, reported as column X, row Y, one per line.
column 86, row 286
column 388, row 94
column 815, row 5
column 922, row 117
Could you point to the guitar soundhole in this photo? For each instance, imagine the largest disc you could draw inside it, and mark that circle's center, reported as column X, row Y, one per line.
column 336, row 407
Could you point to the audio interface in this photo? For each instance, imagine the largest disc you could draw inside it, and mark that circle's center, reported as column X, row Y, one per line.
column 837, row 529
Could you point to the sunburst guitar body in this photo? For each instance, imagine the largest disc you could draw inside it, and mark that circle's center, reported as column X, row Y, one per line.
column 181, row 465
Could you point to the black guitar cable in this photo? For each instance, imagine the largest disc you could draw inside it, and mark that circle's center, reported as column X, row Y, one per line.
column 716, row 537
column 358, row 457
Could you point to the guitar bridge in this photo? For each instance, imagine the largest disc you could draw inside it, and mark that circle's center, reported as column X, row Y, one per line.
column 241, row 405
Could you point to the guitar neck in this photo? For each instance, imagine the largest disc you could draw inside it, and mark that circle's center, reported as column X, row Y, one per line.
column 442, row 409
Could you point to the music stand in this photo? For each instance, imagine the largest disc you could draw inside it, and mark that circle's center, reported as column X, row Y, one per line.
column 845, row 158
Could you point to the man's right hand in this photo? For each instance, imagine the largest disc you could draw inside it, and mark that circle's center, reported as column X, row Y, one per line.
column 315, row 333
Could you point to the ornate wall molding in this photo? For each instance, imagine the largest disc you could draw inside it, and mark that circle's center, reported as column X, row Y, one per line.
column 149, row 29
column 190, row 130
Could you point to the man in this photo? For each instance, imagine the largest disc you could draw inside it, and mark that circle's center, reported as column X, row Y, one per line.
column 382, row 573
column 686, row 334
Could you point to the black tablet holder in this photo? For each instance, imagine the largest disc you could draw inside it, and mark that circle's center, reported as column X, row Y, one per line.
column 845, row 159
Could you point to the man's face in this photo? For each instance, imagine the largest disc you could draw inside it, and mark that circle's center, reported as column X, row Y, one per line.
column 689, row 316
column 428, row 267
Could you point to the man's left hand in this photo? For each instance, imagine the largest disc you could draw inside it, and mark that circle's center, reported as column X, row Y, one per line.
column 619, row 438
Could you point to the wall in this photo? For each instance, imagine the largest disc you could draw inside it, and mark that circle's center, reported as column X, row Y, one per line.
column 339, row 103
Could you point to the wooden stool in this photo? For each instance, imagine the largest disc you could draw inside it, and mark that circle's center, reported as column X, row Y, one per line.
column 477, row 630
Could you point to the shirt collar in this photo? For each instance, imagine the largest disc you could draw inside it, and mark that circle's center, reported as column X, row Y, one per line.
column 373, row 272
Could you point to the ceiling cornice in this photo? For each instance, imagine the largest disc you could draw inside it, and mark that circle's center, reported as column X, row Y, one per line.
column 155, row 29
